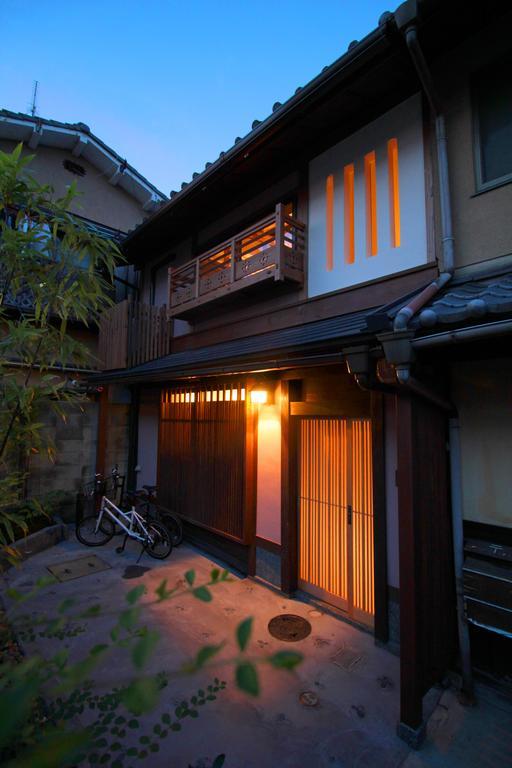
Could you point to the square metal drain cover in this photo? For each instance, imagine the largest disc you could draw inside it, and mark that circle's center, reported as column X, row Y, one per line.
column 75, row 569
column 347, row 658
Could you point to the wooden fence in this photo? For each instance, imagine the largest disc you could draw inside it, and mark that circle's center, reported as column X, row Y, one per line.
column 132, row 333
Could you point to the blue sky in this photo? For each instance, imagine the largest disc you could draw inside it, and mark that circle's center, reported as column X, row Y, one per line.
column 169, row 84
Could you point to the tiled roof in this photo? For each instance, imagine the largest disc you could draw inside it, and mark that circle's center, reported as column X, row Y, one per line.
column 268, row 346
column 468, row 301
column 8, row 115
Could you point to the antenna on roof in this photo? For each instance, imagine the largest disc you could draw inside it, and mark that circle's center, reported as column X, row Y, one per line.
column 33, row 106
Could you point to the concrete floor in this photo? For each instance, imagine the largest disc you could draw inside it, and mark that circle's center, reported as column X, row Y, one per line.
column 353, row 724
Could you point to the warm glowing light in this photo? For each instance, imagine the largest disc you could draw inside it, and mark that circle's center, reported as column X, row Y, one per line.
column 394, row 192
column 370, row 176
column 259, row 396
column 348, row 190
column 329, row 223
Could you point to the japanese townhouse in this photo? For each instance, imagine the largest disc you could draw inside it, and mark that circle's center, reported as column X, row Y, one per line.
column 264, row 364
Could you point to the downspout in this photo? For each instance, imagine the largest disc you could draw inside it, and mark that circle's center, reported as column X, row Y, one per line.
column 403, row 371
column 447, row 240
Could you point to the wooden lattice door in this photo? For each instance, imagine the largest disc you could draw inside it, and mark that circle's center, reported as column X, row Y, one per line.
column 336, row 558
column 201, row 461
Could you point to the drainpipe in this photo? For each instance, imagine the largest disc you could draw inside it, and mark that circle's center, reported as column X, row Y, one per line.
column 447, row 240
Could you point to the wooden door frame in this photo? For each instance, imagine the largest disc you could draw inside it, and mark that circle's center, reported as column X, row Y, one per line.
column 290, row 393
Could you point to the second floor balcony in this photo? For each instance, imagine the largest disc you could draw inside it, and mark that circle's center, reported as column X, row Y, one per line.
column 268, row 256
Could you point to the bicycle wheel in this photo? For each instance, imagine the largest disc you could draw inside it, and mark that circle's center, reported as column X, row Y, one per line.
column 161, row 545
column 174, row 526
column 87, row 534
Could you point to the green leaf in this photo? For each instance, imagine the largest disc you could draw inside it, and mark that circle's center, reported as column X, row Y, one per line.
column 144, row 648
column 285, row 659
column 190, row 577
column 214, row 574
column 128, row 618
column 247, row 678
column 97, row 649
column 162, row 592
column 141, row 696
column 67, row 603
column 219, row 761
column 203, row 594
column 135, row 594
column 243, row 633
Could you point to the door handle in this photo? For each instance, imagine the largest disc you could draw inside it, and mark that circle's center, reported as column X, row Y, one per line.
column 349, row 514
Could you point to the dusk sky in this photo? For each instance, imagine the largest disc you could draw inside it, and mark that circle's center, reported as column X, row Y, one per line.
column 169, row 85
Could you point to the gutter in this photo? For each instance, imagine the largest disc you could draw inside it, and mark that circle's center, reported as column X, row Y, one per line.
column 472, row 333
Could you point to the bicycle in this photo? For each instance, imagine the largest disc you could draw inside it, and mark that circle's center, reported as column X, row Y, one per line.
column 97, row 530
column 145, row 503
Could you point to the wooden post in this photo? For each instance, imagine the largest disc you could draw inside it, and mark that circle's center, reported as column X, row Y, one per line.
column 279, row 241
column 232, row 276
column 133, row 438
column 411, row 689
column 290, row 392
column 379, row 518
column 196, row 293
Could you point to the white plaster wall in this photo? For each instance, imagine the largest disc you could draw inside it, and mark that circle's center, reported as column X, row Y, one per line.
column 268, row 500
column 404, row 123
column 148, row 444
column 391, row 492
column 482, row 392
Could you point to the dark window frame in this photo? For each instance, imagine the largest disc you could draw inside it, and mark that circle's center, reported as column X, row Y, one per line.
column 500, row 181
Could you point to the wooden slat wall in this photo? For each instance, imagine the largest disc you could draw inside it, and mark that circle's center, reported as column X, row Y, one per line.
column 202, row 455
column 132, row 333
column 113, row 338
column 362, row 517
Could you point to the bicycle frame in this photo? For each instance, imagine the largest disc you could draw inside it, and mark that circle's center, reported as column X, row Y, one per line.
column 124, row 520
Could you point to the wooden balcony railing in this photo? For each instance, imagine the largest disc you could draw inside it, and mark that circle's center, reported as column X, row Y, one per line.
column 271, row 251
column 132, row 334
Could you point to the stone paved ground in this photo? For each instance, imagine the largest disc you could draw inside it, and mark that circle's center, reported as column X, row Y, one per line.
column 353, row 724
column 468, row 737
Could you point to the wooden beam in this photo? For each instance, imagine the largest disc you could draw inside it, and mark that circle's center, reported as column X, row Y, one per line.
column 379, row 518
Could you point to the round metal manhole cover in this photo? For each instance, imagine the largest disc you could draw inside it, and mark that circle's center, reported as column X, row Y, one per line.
column 289, row 627
column 308, row 699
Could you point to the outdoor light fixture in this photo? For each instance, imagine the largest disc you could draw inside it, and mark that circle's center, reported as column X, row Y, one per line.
column 259, row 396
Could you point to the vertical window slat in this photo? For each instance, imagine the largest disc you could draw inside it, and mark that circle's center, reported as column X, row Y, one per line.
column 394, row 192
column 370, row 176
column 348, row 189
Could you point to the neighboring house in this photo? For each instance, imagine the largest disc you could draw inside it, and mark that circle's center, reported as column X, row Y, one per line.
column 322, row 304
column 113, row 198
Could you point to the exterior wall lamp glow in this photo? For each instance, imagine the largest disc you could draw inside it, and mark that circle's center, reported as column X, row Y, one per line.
column 259, row 396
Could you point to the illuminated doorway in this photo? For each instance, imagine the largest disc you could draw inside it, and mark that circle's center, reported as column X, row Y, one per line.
column 336, row 557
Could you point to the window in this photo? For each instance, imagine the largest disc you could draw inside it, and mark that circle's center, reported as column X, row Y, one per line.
column 492, row 104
